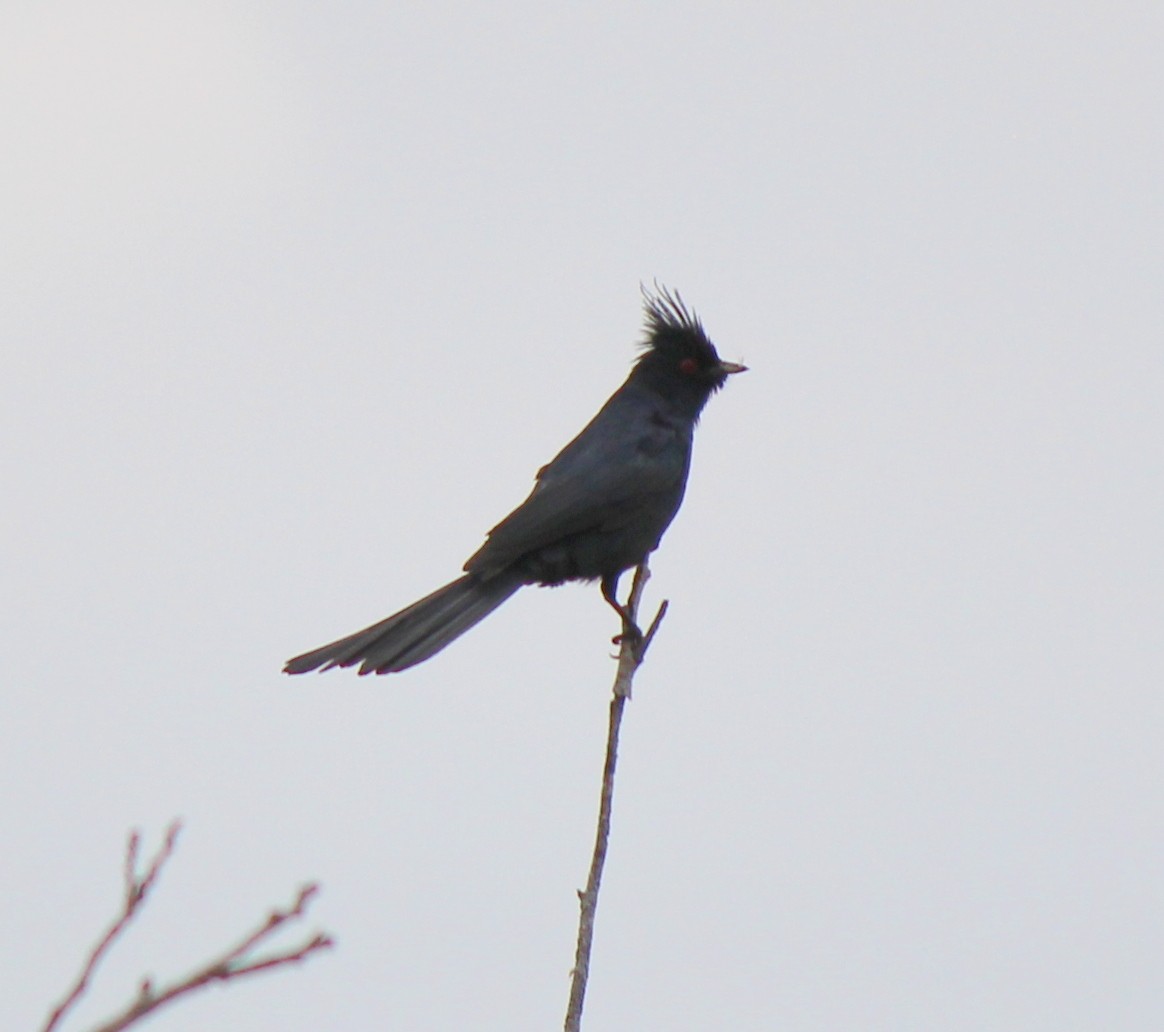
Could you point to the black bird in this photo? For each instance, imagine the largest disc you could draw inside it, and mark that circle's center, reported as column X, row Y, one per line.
column 596, row 510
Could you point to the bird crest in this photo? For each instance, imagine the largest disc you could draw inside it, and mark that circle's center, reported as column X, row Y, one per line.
column 671, row 325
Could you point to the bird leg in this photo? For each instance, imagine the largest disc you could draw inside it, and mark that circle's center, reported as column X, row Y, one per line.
column 630, row 629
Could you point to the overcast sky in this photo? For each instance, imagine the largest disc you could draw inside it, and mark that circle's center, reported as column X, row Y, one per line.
column 296, row 299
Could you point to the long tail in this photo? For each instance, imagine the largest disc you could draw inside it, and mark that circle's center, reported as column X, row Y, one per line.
column 416, row 633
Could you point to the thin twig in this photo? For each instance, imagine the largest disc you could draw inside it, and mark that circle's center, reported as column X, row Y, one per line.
column 135, row 893
column 630, row 657
column 235, row 962
column 230, row 965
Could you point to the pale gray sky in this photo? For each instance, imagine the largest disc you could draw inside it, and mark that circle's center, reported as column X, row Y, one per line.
column 297, row 299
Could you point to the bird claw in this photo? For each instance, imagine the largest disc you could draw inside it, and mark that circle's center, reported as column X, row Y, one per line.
column 631, row 634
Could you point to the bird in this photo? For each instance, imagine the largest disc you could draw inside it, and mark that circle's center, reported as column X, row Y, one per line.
column 597, row 509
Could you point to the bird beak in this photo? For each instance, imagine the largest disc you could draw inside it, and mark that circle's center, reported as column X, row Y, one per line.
column 727, row 368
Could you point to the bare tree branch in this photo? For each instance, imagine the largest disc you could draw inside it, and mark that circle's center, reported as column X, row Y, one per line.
column 631, row 654
column 135, row 893
column 234, row 963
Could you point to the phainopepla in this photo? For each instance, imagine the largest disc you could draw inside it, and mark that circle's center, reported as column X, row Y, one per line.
column 596, row 510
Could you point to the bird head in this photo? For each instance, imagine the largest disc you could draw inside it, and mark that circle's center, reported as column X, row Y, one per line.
column 679, row 360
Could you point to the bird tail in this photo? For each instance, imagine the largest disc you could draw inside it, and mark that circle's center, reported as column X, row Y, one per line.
column 416, row 633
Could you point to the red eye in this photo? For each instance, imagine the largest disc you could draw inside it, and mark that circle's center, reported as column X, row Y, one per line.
column 688, row 366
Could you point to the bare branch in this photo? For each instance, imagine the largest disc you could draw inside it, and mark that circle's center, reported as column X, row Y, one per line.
column 232, row 964
column 135, row 893
column 631, row 654
column 235, row 962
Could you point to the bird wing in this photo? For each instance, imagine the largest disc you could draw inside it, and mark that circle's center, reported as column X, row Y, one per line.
column 622, row 461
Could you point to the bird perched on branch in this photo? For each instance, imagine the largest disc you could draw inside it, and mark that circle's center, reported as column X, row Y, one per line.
column 597, row 509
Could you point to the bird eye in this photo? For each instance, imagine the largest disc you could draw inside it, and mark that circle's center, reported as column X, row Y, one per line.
column 688, row 366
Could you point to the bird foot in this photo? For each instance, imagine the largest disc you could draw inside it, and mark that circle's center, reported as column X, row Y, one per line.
column 631, row 633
